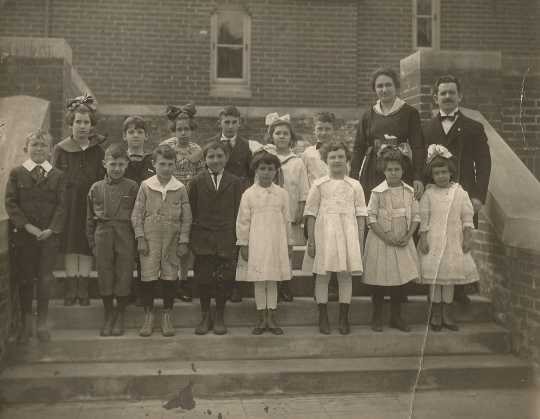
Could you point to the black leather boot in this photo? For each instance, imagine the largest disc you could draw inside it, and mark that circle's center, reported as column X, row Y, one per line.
column 324, row 325
column 344, row 326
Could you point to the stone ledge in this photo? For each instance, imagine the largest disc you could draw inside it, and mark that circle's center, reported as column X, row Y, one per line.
column 513, row 201
column 118, row 109
column 35, row 47
column 446, row 60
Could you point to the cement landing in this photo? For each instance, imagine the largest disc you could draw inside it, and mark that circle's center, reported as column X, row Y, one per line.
column 483, row 404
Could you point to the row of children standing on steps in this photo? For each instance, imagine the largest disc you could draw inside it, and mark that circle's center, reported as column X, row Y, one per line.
column 215, row 215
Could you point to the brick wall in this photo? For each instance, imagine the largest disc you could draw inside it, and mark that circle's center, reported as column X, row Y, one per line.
column 521, row 112
column 39, row 77
column 384, row 31
column 135, row 51
column 509, row 26
column 511, row 278
column 9, row 303
column 304, row 52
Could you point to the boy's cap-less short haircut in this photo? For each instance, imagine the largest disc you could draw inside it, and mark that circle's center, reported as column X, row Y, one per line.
column 116, row 151
column 334, row 145
column 134, row 121
column 265, row 157
column 214, row 145
column 230, row 110
column 39, row 134
column 165, row 151
column 328, row 117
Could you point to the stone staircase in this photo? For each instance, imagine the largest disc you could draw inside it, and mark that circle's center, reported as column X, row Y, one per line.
column 78, row 364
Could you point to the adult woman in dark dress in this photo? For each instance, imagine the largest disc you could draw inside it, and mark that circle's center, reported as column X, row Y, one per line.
column 389, row 121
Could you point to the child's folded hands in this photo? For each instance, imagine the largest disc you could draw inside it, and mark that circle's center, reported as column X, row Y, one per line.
column 32, row 229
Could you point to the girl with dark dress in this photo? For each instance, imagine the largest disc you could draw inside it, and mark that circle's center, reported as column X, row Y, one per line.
column 80, row 157
column 389, row 121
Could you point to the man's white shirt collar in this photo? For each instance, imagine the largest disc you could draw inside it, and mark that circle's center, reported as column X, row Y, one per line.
column 232, row 140
column 447, row 124
column 219, row 176
column 454, row 112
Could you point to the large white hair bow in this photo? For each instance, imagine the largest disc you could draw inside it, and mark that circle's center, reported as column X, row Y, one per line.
column 269, row 148
column 435, row 150
column 403, row 148
column 274, row 117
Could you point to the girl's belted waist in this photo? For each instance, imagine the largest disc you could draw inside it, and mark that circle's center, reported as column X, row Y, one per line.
column 337, row 207
column 397, row 212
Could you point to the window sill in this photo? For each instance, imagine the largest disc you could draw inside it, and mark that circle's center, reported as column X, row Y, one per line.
column 240, row 91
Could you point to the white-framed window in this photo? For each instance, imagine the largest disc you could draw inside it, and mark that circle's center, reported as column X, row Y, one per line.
column 426, row 24
column 230, row 52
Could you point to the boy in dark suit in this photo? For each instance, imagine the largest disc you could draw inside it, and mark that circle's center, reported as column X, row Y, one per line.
column 239, row 161
column 467, row 141
column 214, row 196
column 35, row 204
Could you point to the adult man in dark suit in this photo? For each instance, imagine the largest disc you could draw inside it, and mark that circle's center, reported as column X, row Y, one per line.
column 239, row 159
column 467, row 141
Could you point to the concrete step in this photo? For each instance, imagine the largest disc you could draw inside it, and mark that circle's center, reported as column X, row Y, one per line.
column 302, row 285
column 300, row 312
column 53, row 382
column 298, row 342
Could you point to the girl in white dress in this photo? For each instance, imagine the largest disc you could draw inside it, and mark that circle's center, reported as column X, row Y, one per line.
column 390, row 255
column 446, row 226
column 295, row 180
column 263, row 232
column 335, row 214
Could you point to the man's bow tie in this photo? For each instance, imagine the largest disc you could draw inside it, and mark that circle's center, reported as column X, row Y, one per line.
column 450, row 118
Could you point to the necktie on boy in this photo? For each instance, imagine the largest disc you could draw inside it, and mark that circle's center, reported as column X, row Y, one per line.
column 228, row 143
column 38, row 173
column 214, row 177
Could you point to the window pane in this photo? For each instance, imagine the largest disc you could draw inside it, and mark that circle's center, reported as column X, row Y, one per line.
column 423, row 34
column 230, row 28
column 230, row 63
column 423, row 7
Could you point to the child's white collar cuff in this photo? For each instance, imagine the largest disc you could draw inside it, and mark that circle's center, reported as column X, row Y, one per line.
column 31, row 165
column 383, row 186
column 173, row 185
